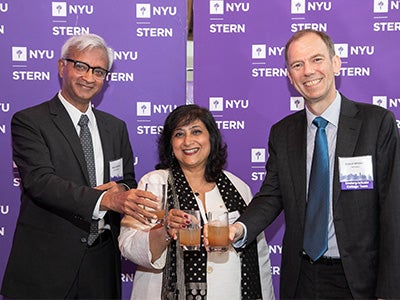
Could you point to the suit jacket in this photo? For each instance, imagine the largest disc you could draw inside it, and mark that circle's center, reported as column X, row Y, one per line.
column 56, row 202
column 366, row 221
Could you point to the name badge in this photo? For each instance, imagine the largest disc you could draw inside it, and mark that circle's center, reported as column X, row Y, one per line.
column 116, row 170
column 356, row 173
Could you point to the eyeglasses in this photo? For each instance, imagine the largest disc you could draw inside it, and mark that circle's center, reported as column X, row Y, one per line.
column 83, row 68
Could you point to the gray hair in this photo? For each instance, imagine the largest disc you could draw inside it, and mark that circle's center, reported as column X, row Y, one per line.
column 87, row 42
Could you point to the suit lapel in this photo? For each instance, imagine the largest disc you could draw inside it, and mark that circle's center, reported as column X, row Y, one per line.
column 297, row 150
column 106, row 144
column 347, row 136
column 63, row 122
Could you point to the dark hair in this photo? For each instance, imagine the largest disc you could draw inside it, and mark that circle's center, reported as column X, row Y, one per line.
column 184, row 115
column 324, row 37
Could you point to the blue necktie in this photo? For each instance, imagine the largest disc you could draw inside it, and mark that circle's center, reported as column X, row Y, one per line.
column 87, row 146
column 316, row 225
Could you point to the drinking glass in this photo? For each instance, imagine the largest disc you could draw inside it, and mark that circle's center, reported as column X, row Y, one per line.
column 189, row 238
column 159, row 190
column 218, row 231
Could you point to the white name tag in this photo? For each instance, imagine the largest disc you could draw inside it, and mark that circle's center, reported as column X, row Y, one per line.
column 116, row 170
column 356, row 173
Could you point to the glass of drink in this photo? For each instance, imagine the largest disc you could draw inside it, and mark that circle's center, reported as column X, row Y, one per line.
column 189, row 238
column 218, row 231
column 159, row 190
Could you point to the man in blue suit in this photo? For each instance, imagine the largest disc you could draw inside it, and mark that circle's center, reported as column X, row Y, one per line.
column 53, row 255
column 363, row 234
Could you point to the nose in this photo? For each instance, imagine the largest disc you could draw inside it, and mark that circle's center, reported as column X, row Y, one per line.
column 187, row 139
column 88, row 76
column 308, row 68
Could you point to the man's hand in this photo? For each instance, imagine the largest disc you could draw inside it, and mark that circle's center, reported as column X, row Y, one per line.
column 111, row 186
column 131, row 203
column 235, row 232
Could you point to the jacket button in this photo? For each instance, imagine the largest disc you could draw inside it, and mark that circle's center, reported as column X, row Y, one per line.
column 83, row 240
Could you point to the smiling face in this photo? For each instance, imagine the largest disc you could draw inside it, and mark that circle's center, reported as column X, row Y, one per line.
column 79, row 89
column 311, row 70
column 191, row 145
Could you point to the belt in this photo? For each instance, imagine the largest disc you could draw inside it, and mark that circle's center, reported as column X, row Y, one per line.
column 323, row 260
column 102, row 238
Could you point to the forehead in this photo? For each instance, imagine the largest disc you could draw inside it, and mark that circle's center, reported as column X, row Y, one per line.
column 96, row 57
column 308, row 45
column 188, row 126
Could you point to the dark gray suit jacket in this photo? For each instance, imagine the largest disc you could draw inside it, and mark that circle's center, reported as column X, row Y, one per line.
column 366, row 221
column 57, row 202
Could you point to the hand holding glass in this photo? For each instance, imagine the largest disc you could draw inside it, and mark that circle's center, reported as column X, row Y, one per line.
column 159, row 190
column 189, row 238
column 218, row 231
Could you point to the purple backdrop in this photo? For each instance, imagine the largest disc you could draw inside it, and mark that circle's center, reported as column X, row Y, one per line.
column 238, row 73
column 146, row 83
column 239, row 70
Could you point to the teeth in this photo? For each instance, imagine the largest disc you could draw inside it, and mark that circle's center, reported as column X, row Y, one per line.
column 190, row 151
column 313, row 82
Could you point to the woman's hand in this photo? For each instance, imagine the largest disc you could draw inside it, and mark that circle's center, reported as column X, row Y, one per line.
column 175, row 220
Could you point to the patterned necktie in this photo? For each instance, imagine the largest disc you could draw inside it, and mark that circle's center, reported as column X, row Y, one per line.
column 87, row 146
column 316, row 225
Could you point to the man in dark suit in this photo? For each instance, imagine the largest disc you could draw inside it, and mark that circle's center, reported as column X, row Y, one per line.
column 54, row 253
column 362, row 235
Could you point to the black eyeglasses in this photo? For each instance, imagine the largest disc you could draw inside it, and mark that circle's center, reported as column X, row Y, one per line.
column 83, row 68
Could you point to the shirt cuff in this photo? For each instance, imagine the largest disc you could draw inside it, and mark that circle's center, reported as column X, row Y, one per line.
column 241, row 243
column 97, row 213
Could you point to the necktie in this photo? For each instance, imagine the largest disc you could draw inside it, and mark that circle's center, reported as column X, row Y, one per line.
column 316, row 225
column 87, row 146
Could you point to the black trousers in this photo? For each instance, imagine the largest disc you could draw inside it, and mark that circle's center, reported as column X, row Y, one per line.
column 96, row 278
column 322, row 280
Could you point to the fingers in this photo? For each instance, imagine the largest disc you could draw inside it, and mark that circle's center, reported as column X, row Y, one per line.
column 235, row 232
column 106, row 186
column 175, row 220
column 145, row 195
column 205, row 235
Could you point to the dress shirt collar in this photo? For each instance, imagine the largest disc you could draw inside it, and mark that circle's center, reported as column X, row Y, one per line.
column 331, row 114
column 75, row 114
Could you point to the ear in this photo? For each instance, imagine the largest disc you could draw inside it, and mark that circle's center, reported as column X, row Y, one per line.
column 289, row 76
column 337, row 64
column 61, row 66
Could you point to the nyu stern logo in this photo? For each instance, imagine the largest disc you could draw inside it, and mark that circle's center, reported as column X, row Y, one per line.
column 381, row 6
column 346, row 50
column 384, row 6
column 3, row 7
column 380, row 101
column 219, row 103
column 23, row 54
column 62, row 9
column 218, row 7
column 143, row 109
column 145, row 11
column 147, row 109
column 296, row 103
column 303, row 6
column 386, row 101
column 258, row 155
column 261, row 51
column 4, row 107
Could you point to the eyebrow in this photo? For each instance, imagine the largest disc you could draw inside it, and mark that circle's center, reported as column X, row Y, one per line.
column 191, row 127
